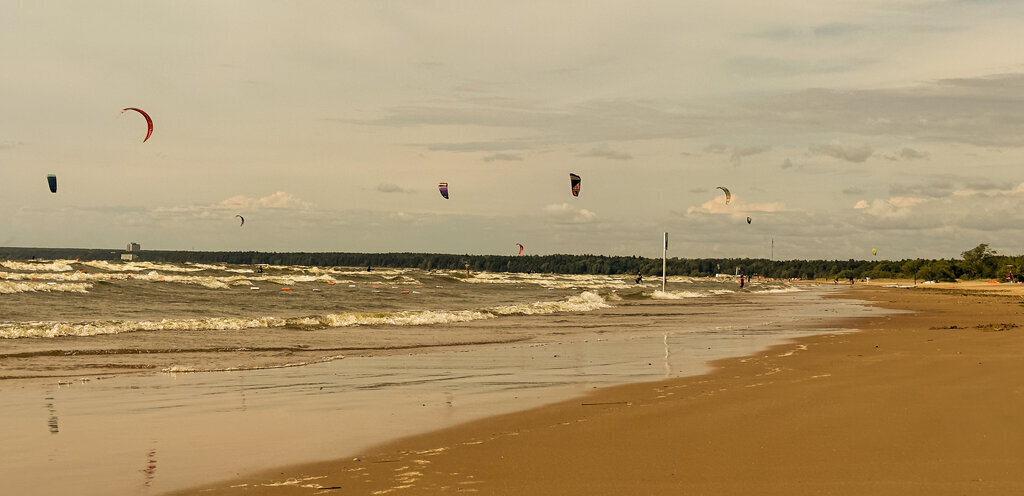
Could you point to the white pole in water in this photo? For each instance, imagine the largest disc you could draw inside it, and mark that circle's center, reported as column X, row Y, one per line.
column 664, row 257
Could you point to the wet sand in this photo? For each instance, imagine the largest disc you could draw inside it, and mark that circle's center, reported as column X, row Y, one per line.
column 927, row 402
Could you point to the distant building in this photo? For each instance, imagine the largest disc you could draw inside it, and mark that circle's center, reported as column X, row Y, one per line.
column 131, row 256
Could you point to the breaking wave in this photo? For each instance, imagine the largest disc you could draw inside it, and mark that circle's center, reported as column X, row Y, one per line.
column 556, row 281
column 677, row 295
column 11, row 287
column 54, row 266
column 579, row 303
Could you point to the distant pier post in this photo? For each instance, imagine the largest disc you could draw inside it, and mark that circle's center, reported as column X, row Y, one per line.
column 664, row 263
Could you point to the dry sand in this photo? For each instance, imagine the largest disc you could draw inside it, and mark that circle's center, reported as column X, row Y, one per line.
column 930, row 402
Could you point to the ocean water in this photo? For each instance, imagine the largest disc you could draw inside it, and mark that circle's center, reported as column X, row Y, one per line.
column 70, row 318
column 141, row 378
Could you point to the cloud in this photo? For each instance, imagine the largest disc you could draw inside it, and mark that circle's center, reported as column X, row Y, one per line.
column 962, row 212
column 935, row 188
column 503, row 156
column 738, row 153
column 787, row 67
column 391, row 188
column 566, row 214
column 542, row 125
column 908, row 154
column 604, row 152
column 477, row 146
column 983, row 111
column 850, row 153
column 822, row 31
column 736, row 208
column 278, row 200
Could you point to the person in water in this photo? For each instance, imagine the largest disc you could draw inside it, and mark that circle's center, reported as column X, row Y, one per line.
column 741, row 282
column 639, row 278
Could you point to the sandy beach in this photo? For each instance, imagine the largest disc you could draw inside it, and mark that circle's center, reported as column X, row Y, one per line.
column 922, row 402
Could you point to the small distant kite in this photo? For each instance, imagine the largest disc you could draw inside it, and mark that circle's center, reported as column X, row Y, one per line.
column 728, row 195
column 149, row 121
column 574, row 183
column 748, row 220
column 443, row 188
column 52, row 179
column 243, row 220
column 520, row 245
column 874, row 252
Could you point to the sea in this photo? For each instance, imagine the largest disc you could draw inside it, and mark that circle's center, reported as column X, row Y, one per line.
column 141, row 377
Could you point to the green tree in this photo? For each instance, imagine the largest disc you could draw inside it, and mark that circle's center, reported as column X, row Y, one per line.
column 974, row 260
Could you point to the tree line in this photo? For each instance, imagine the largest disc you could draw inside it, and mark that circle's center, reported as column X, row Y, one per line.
column 978, row 262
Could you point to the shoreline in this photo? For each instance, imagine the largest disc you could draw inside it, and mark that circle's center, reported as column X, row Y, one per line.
column 919, row 403
column 201, row 428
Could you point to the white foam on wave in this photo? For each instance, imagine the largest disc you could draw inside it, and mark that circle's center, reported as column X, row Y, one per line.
column 52, row 266
column 11, row 287
column 557, row 281
column 790, row 289
column 177, row 369
column 677, row 295
column 138, row 266
column 579, row 303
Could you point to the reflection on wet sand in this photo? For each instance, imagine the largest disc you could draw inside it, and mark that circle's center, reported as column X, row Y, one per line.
column 52, row 421
column 150, row 471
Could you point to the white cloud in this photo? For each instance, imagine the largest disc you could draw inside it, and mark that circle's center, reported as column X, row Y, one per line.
column 736, row 207
column 278, row 200
column 567, row 214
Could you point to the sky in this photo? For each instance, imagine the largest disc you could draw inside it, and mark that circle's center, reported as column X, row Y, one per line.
column 838, row 126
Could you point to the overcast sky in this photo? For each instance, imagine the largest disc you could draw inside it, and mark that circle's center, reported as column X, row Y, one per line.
column 838, row 126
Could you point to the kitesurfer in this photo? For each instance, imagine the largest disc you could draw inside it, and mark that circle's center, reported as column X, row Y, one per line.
column 741, row 282
column 639, row 278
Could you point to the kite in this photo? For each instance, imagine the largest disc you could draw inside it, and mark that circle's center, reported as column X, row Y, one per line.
column 748, row 220
column 149, row 122
column 443, row 188
column 574, row 182
column 52, row 179
column 243, row 220
column 874, row 252
column 728, row 195
column 520, row 248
